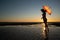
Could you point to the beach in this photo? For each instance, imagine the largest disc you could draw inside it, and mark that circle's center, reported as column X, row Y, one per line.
column 28, row 32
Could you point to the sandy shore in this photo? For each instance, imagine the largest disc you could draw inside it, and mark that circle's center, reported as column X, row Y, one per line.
column 28, row 32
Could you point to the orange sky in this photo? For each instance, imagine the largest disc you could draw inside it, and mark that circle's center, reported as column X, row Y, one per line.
column 30, row 20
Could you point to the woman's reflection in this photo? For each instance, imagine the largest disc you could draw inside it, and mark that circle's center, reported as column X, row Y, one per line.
column 45, row 33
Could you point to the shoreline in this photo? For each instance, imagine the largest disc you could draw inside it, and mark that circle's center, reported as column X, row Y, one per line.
column 27, row 23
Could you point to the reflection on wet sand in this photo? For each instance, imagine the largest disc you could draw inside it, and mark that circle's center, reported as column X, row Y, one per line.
column 45, row 32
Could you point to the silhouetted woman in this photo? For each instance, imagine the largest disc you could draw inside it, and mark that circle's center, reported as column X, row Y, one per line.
column 44, row 17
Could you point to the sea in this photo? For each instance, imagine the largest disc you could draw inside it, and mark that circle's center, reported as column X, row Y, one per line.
column 29, row 32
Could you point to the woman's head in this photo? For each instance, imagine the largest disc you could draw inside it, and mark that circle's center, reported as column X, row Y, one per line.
column 43, row 10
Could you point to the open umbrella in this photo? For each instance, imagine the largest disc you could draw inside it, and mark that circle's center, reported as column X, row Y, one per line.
column 48, row 9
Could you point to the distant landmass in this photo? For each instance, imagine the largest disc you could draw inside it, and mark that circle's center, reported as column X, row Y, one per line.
column 18, row 23
column 27, row 23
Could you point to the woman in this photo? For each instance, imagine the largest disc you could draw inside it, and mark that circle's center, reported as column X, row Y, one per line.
column 45, row 19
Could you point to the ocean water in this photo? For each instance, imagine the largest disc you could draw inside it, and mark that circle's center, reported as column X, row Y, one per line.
column 29, row 32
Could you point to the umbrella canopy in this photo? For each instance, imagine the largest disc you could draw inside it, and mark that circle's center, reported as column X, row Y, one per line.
column 48, row 9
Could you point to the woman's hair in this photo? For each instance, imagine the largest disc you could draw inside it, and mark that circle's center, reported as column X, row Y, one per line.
column 43, row 10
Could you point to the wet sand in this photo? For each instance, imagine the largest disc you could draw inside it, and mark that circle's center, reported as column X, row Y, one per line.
column 28, row 32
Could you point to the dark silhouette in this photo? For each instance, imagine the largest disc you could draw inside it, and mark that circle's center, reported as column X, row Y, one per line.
column 44, row 17
column 45, row 22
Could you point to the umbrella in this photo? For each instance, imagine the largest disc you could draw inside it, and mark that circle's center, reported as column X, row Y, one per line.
column 48, row 9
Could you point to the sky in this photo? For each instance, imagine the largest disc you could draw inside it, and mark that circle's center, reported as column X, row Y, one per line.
column 28, row 10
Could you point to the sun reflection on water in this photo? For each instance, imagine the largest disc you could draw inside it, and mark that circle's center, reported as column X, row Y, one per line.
column 44, row 32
